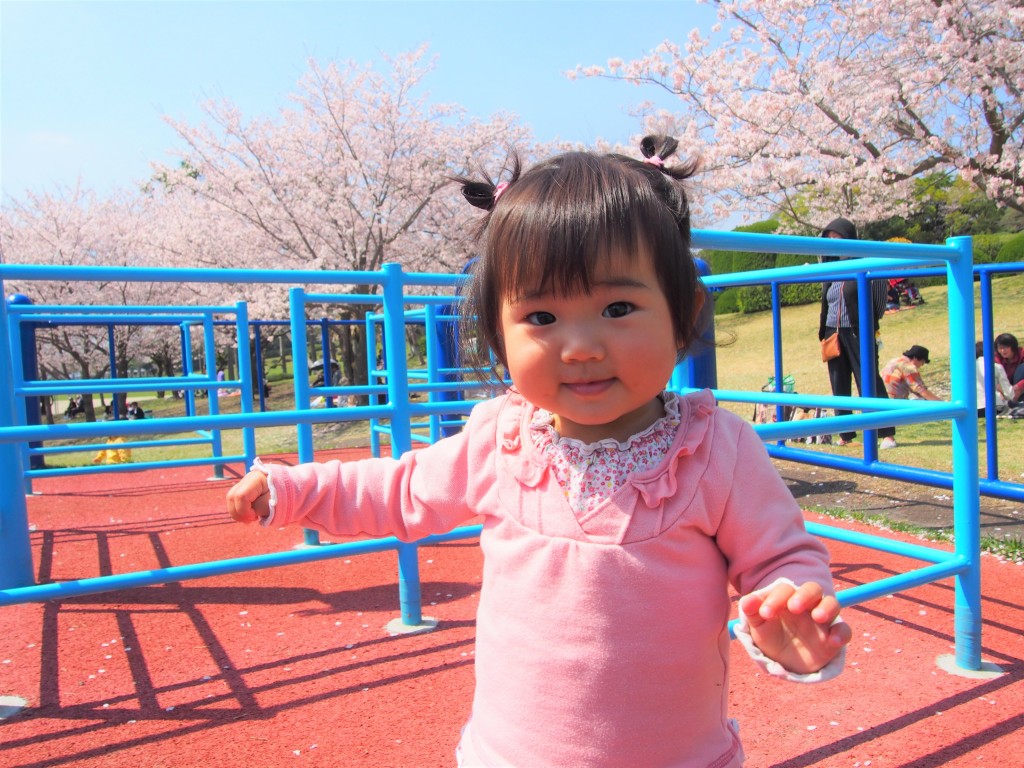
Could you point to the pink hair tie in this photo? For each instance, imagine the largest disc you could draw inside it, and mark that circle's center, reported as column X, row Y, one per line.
column 655, row 161
column 498, row 189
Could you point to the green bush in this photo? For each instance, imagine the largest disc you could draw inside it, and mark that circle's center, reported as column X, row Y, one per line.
column 986, row 247
column 727, row 262
column 727, row 302
column 1012, row 250
column 719, row 261
column 744, row 261
column 754, row 298
column 767, row 227
column 793, row 294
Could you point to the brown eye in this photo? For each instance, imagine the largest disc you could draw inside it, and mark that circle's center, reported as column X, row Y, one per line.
column 540, row 318
column 618, row 309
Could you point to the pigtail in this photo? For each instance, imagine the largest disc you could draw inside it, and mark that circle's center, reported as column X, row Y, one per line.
column 484, row 194
column 657, row 149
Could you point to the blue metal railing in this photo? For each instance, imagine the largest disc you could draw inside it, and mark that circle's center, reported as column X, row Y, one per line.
column 397, row 383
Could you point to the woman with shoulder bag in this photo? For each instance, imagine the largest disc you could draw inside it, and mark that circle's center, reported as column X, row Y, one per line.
column 840, row 318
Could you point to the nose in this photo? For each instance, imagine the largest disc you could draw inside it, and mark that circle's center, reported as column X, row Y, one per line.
column 582, row 344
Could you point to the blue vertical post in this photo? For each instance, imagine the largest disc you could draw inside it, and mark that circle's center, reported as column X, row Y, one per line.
column 868, row 355
column 210, row 354
column 187, row 367
column 777, row 349
column 436, row 359
column 15, row 548
column 300, row 371
column 370, row 324
column 966, row 499
column 112, row 354
column 409, row 591
column 259, row 373
column 16, row 336
column 328, row 357
column 245, row 375
column 705, row 362
column 27, row 353
column 699, row 369
column 988, row 341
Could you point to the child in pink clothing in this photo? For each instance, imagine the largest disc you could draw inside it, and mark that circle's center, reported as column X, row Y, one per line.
column 616, row 515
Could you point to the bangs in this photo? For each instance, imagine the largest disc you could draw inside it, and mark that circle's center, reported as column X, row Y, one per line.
column 564, row 225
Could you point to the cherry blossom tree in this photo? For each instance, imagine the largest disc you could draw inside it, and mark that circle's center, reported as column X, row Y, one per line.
column 71, row 227
column 352, row 175
column 812, row 107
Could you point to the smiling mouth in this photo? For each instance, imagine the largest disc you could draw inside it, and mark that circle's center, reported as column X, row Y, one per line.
column 588, row 388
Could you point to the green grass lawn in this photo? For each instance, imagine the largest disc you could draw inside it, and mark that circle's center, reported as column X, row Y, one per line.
column 745, row 361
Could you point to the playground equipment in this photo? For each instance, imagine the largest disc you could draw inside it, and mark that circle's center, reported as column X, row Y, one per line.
column 391, row 403
column 25, row 317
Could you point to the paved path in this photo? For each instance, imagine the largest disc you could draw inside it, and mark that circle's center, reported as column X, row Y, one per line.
column 921, row 505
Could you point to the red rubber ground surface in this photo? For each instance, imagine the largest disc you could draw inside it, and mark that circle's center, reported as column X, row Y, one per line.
column 292, row 666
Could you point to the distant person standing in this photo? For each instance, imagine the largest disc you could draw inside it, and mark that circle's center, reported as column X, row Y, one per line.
column 840, row 313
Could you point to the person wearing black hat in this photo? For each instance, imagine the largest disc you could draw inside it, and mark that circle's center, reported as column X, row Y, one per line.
column 902, row 375
column 840, row 313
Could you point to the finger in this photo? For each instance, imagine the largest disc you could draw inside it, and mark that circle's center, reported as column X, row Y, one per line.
column 827, row 610
column 750, row 606
column 261, row 506
column 776, row 600
column 806, row 597
column 840, row 634
column 240, row 509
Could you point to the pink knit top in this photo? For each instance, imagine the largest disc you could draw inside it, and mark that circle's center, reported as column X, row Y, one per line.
column 602, row 635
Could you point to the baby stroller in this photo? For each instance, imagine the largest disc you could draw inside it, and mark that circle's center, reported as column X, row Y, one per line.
column 903, row 293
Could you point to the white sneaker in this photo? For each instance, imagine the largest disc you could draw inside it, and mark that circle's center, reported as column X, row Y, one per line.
column 887, row 442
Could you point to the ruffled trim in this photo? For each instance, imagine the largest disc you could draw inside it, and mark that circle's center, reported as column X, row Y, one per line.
column 695, row 412
column 259, row 466
column 528, row 465
column 665, row 426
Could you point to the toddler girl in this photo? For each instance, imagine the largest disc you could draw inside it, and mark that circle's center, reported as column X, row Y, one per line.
column 615, row 515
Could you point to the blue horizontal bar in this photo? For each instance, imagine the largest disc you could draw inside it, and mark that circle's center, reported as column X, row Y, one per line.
column 817, row 246
column 880, row 543
column 86, row 312
column 99, row 584
column 136, row 466
column 901, row 582
column 64, row 449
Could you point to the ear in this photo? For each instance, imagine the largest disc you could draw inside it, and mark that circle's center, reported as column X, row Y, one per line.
column 699, row 297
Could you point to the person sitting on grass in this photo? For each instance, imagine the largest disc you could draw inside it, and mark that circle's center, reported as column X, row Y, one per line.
column 902, row 376
column 1011, row 357
column 1002, row 390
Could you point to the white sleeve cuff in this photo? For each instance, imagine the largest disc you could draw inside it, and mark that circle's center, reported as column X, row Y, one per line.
column 774, row 668
column 259, row 466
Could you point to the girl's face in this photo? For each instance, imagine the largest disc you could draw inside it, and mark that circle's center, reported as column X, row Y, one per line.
column 597, row 361
column 1004, row 351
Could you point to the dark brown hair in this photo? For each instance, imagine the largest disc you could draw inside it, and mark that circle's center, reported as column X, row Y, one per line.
column 554, row 224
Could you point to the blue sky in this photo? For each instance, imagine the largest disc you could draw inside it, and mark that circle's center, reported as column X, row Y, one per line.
column 84, row 85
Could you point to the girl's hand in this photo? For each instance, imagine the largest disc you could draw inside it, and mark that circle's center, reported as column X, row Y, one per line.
column 249, row 498
column 794, row 626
